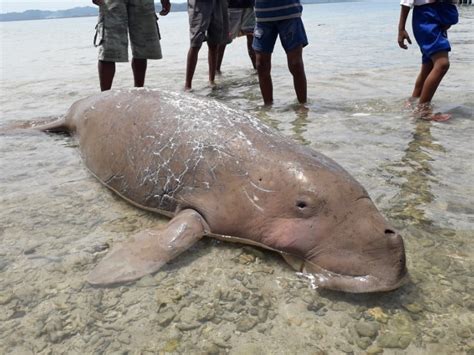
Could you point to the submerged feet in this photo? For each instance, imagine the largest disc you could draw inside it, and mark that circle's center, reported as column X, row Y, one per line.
column 439, row 117
column 424, row 111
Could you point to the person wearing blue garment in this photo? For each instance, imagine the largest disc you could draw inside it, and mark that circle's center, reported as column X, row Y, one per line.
column 280, row 18
column 431, row 21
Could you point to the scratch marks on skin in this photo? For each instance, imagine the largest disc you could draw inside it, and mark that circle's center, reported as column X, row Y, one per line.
column 186, row 143
column 199, row 133
column 253, row 200
column 211, row 114
column 160, row 176
column 260, row 188
column 244, row 138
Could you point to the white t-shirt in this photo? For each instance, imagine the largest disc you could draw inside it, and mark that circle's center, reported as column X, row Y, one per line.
column 412, row 3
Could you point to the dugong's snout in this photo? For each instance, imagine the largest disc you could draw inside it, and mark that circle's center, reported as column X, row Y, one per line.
column 362, row 273
column 364, row 254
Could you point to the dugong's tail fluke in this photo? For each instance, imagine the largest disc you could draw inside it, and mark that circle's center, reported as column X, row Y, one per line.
column 46, row 124
column 58, row 125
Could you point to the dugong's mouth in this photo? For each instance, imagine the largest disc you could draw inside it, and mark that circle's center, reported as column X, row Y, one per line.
column 323, row 278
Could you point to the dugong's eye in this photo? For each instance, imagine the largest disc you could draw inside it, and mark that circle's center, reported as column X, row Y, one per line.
column 301, row 205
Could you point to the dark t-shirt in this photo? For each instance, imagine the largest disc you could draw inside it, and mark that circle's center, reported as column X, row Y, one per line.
column 241, row 4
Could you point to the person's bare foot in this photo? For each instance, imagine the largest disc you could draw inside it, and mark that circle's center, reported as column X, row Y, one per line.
column 440, row 117
column 410, row 102
column 425, row 112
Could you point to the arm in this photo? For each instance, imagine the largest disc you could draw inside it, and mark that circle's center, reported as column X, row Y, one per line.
column 402, row 33
column 165, row 7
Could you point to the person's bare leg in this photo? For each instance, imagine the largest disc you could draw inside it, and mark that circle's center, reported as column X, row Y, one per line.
column 264, row 66
column 296, row 67
column 191, row 66
column 220, row 56
column 251, row 51
column 440, row 68
column 106, row 74
column 420, row 79
column 139, row 71
column 212, row 61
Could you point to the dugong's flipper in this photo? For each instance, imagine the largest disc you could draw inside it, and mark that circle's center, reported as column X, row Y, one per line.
column 149, row 250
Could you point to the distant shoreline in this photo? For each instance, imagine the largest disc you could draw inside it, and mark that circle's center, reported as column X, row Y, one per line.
column 89, row 11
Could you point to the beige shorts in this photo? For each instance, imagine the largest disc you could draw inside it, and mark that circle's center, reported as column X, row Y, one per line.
column 120, row 18
column 241, row 21
column 208, row 21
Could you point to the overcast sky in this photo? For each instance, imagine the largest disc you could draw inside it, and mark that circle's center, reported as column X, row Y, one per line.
column 18, row 6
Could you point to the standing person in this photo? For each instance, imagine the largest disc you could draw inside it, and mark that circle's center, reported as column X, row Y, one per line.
column 208, row 21
column 280, row 18
column 117, row 18
column 431, row 20
column 241, row 20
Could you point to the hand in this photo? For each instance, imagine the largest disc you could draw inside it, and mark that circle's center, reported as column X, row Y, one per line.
column 98, row 2
column 165, row 7
column 402, row 36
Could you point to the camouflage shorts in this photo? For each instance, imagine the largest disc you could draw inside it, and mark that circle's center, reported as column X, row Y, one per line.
column 241, row 21
column 117, row 19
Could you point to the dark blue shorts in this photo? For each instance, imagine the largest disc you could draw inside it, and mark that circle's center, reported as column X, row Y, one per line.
column 291, row 32
column 430, row 24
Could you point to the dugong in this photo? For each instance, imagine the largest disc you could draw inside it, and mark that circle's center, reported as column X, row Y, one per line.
column 219, row 172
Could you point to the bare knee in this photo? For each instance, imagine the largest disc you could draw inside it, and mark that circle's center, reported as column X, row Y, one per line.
column 443, row 66
column 263, row 66
column 295, row 61
column 441, row 63
column 296, row 66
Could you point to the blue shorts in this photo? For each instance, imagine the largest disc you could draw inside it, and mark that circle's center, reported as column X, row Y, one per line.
column 291, row 32
column 430, row 23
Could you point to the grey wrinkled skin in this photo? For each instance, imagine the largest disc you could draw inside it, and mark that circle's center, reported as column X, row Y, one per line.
column 168, row 152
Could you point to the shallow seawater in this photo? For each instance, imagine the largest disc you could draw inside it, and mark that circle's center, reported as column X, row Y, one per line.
column 57, row 221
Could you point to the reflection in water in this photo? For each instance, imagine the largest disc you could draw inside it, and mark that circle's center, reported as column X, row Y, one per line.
column 240, row 91
column 299, row 123
column 415, row 168
column 265, row 115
